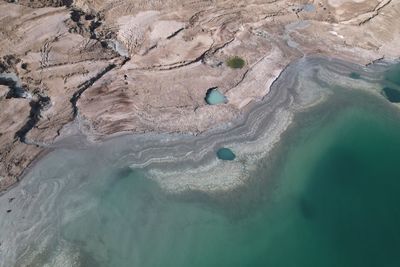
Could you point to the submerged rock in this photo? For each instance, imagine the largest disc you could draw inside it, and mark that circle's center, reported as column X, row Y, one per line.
column 393, row 95
column 355, row 75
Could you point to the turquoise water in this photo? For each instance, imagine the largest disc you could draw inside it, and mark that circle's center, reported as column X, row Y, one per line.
column 225, row 154
column 333, row 202
column 215, row 97
column 391, row 89
column 393, row 75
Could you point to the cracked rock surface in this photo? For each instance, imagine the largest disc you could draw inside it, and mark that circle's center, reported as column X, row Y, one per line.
column 143, row 66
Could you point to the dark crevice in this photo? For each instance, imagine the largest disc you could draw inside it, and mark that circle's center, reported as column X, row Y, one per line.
column 15, row 91
column 160, row 67
column 8, row 62
column 94, row 24
column 91, row 25
column 376, row 11
column 90, row 17
column 37, row 105
column 67, row 3
column 82, row 87
column 149, row 49
column 242, row 78
column 126, row 59
column 76, row 15
column 85, row 24
column 175, row 33
column 201, row 58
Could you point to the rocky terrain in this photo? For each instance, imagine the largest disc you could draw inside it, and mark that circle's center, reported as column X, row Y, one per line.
column 109, row 67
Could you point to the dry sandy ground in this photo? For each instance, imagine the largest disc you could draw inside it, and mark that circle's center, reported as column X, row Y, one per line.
column 146, row 65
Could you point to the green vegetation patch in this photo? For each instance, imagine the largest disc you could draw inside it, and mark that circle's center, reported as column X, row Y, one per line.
column 236, row 62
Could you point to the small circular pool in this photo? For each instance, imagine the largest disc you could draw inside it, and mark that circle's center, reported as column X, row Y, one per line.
column 225, row 154
column 214, row 97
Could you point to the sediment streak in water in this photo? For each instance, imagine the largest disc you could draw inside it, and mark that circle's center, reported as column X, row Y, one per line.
column 181, row 163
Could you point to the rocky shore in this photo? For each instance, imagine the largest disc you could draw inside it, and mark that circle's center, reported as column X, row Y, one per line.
column 114, row 67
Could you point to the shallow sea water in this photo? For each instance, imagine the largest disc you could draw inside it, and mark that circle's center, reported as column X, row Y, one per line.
column 330, row 198
column 334, row 203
